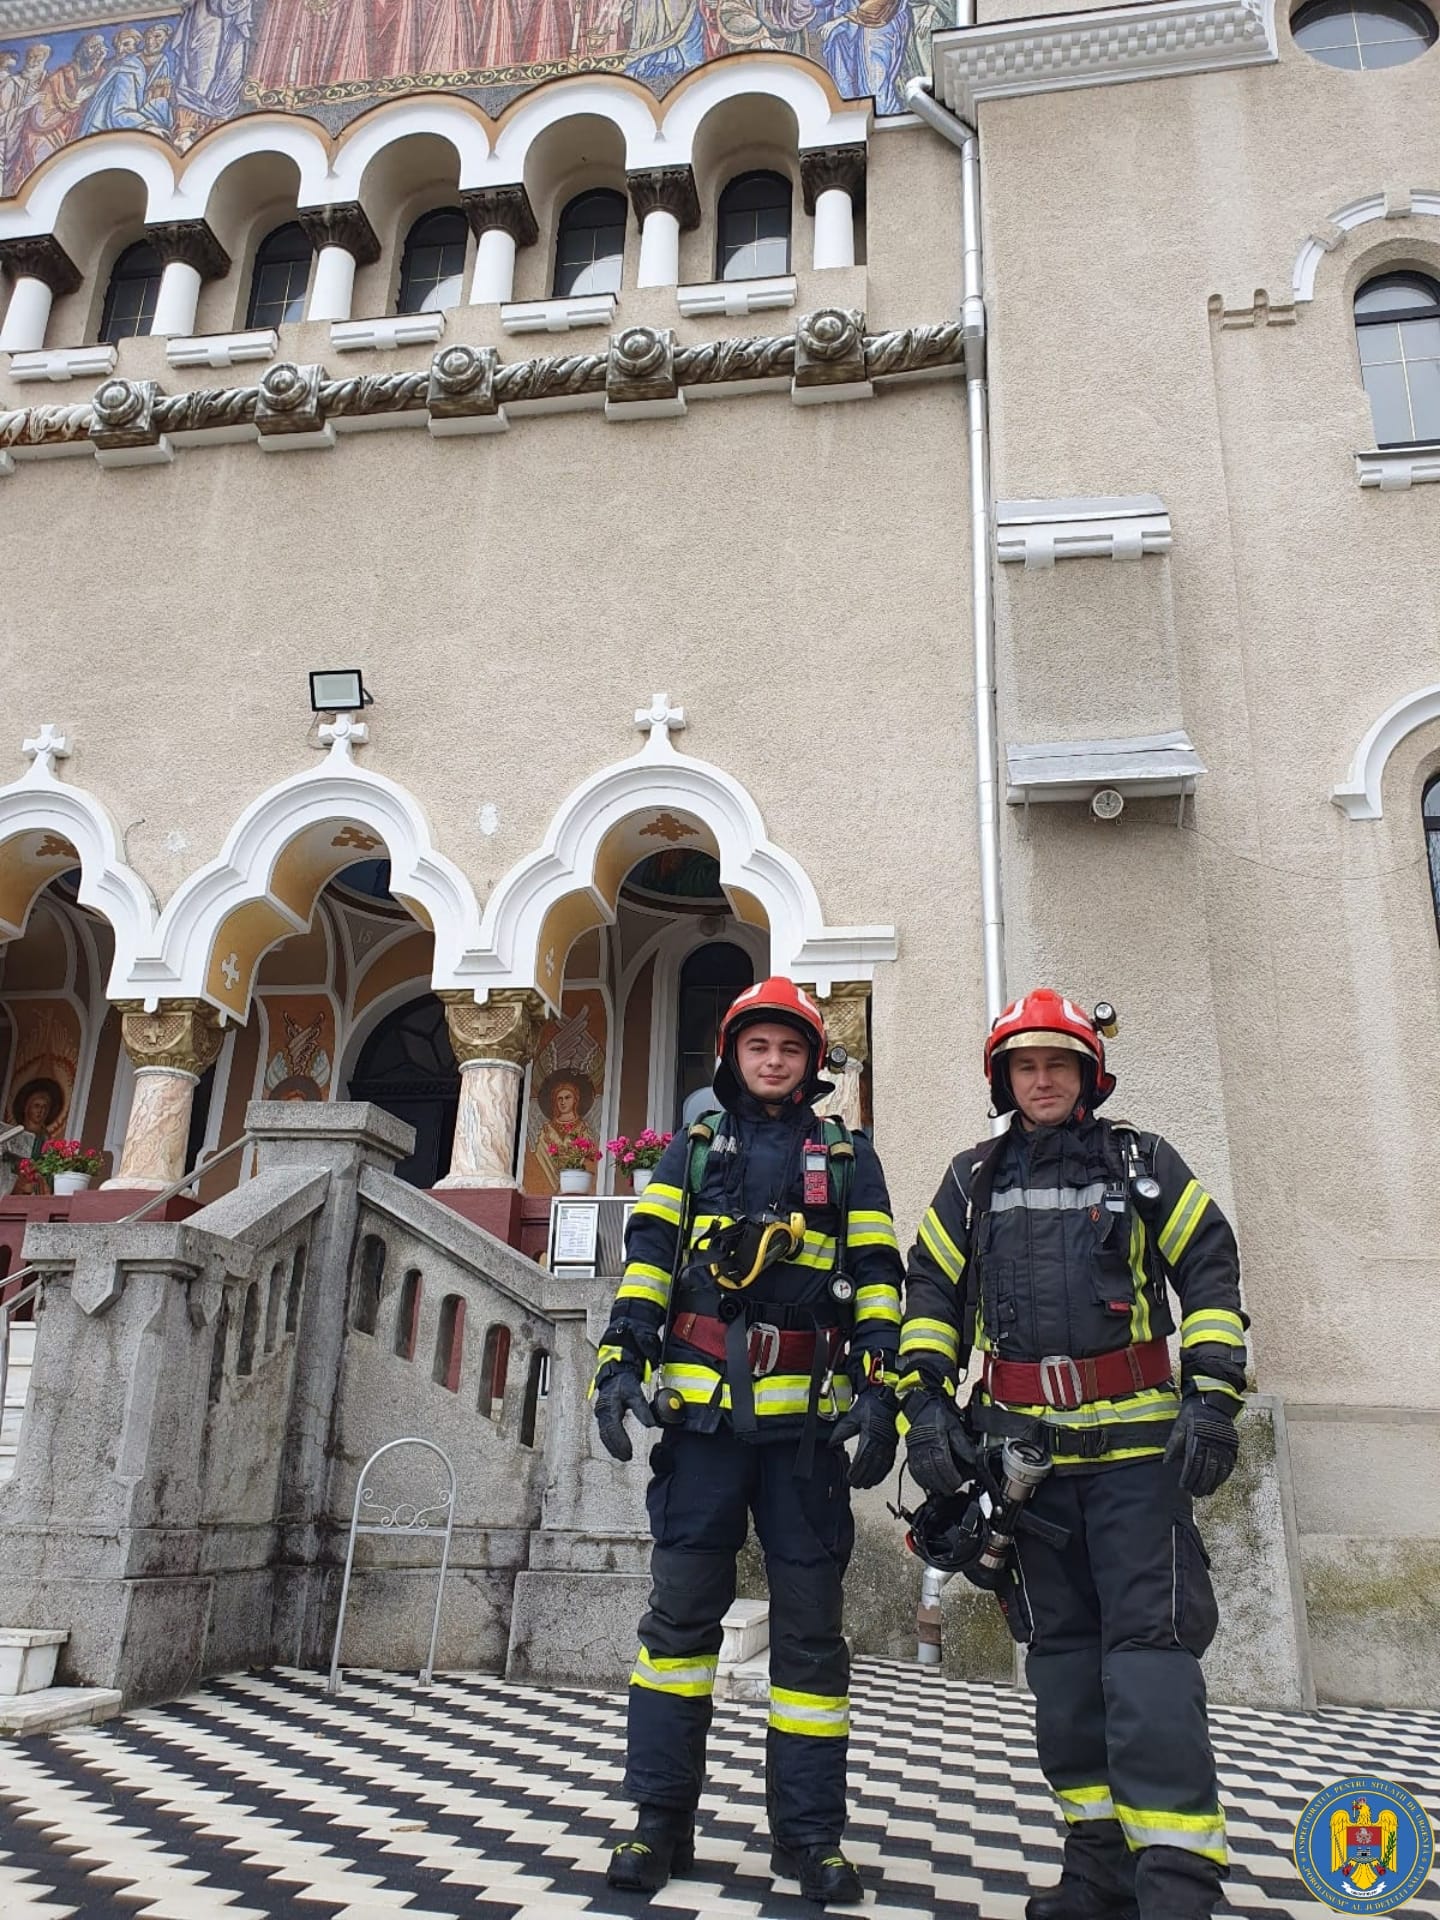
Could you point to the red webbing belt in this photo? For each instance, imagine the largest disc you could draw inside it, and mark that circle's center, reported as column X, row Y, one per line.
column 1059, row 1381
column 771, row 1351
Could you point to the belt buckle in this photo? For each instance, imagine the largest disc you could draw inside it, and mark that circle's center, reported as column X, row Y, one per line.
column 1060, row 1382
column 764, row 1348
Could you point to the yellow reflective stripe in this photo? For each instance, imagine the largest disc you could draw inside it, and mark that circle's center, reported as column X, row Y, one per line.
column 692, row 1676
column 878, row 1303
column 775, row 1395
column 659, row 1203
column 930, row 1336
column 645, row 1282
column 1202, row 1833
column 941, row 1248
column 1175, row 1234
column 818, row 1252
column 871, row 1229
column 1207, row 1383
column 1151, row 1403
column 1086, row 1803
column 822, row 1716
column 1212, row 1326
column 708, row 1222
column 1140, row 1312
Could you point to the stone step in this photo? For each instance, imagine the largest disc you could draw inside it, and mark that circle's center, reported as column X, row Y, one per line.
column 17, row 1386
column 27, row 1658
column 746, row 1680
column 747, row 1631
column 56, row 1707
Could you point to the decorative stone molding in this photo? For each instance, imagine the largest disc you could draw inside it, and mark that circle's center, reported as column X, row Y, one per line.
column 297, row 406
column 1360, row 794
column 289, row 411
column 506, row 209
column 736, row 297
column 503, row 1027
column 558, row 316
column 40, row 257
column 1054, row 53
column 223, row 349
column 640, row 378
column 346, row 225
column 183, row 1036
column 387, row 333
column 823, row 168
column 1394, row 203
column 1040, row 532
column 830, row 356
column 62, row 363
column 1262, row 312
column 460, row 394
column 122, row 425
column 193, row 243
column 1396, row 469
column 670, row 189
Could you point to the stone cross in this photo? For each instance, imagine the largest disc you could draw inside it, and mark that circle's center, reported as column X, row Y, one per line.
column 341, row 733
column 659, row 720
column 46, row 748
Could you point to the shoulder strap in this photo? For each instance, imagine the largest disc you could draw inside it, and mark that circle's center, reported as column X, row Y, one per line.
column 700, row 1134
column 841, row 1150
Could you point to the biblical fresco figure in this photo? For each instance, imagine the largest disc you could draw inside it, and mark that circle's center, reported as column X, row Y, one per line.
column 212, row 44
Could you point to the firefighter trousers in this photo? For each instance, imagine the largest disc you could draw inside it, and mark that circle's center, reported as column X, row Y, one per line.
column 703, row 1489
column 1115, row 1622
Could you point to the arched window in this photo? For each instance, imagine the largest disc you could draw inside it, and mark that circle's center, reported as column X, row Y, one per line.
column 433, row 263
column 272, row 1305
column 537, row 1387
column 1430, row 814
column 249, row 1328
column 494, row 1365
column 407, row 1066
column 217, row 1353
column 407, row 1320
column 297, row 1285
column 753, row 227
column 281, row 277
column 1397, row 329
column 369, row 1279
column 131, row 295
column 450, row 1343
column 1363, row 33
column 590, row 247
column 709, row 980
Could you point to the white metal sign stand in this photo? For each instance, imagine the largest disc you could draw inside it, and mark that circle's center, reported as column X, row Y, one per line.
column 435, row 1521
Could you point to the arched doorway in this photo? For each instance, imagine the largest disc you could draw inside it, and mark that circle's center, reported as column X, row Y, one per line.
column 710, row 978
column 407, row 1066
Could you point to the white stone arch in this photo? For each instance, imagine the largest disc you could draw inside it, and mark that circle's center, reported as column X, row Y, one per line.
column 452, row 121
column 617, row 101
column 180, row 958
column 40, row 803
column 820, row 121
column 1360, row 794
column 1421, row 202
column 751, row 866
column 150, row 162
column 243, row 139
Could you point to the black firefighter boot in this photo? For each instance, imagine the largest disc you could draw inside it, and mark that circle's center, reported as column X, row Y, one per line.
column 1097, row 1879
column 662, row 1844
column 825, row 1875
column 1171, row 1884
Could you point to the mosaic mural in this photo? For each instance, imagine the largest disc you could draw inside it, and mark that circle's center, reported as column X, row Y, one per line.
column 179, row 73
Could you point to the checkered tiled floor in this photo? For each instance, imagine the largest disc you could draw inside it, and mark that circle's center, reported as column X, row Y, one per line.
column 258, row 1796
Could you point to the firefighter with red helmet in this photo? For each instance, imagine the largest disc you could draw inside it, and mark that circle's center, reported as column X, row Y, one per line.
column 757, row 1321
column 1051, row 1250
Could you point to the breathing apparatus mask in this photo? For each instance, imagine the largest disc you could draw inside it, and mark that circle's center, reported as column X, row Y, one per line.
column 736, row 1256
column 972, row 1532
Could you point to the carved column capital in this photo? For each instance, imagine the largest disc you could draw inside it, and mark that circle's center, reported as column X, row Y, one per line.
column 181, row 1035
column 193, row 243
column 505, row 1027
column 824, row 167
column 672, row 188
column 507, row 209
column 41, row 257
column 845, row 1018
column 346, row 225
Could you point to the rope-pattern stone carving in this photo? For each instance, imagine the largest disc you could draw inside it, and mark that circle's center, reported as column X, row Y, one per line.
column 718, row 361
column 368, row 393
column 914, row 349
column 206, row 407
column 553, row 377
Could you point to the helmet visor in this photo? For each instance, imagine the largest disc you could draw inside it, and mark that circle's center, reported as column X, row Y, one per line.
column 1041, row 1037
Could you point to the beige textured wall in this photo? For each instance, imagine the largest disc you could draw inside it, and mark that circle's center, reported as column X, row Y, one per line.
column 1275, row 964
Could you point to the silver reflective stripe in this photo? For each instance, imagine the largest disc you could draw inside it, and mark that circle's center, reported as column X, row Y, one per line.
column 1048, row 1199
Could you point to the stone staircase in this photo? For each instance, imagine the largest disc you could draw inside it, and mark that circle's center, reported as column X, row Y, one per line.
column 744, row 1670
column 28, row 1701
column 17, row 1386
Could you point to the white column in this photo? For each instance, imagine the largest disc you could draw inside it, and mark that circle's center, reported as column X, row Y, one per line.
column 333, row 287
column 155, row 1135
column 484, row 1147
column 494, row 278
column 834, row 228
column 659, row 249
column 27, row 317
column 176, row 301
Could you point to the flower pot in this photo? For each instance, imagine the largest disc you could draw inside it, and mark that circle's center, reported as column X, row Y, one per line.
column 641, row 1178
column 70, row 1182
column 575, row 1180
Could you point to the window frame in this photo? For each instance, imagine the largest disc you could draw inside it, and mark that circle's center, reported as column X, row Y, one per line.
column 1398, row 317
column 260, row 264
column 1430, row 827
column 1341, row 9
column 724, row 212
column 409, row 248
column 566, row 223
column 123, row 276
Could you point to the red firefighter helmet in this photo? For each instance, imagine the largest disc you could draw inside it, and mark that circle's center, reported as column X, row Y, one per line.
column 1045, row 1018
column 774, row 999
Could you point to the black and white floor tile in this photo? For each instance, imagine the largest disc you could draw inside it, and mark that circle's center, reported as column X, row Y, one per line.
column 259, row 1797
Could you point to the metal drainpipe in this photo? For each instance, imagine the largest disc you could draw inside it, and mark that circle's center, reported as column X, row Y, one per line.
column 923, row 103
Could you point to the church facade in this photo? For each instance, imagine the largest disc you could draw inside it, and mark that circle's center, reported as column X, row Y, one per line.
column 524, row 518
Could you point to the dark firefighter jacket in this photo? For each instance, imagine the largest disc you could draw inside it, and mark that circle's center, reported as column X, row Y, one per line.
column 1038, row 1245
column 756, row 1162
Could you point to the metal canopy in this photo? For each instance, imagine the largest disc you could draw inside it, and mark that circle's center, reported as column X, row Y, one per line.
column 1148, row 765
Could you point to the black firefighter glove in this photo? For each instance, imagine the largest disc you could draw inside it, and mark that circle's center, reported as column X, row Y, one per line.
column 1206, row 1444
column 872, row 1415
column 940, row 1454
column 619, row 1391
